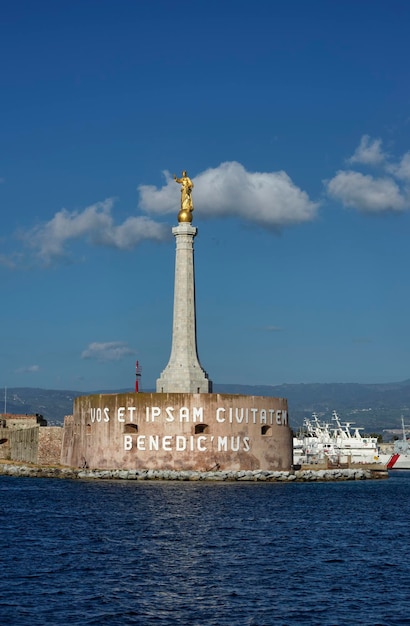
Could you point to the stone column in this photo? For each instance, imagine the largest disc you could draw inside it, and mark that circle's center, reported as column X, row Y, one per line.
column 184, row 373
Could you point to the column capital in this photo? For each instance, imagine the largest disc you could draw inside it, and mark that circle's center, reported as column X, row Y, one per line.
column 184, row 229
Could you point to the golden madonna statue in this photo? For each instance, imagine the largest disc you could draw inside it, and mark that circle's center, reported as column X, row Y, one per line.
column 185, row 213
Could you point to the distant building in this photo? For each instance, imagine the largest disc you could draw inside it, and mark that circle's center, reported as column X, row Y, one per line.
column 27, row 438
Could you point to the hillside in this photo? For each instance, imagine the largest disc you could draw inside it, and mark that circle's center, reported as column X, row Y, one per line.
column 375, row 407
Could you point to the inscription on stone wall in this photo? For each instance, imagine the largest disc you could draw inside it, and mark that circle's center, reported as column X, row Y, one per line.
column 195, row 415
column 180, row 443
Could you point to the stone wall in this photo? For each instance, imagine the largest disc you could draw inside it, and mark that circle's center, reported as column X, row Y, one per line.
column 30, row 471
column 24, row 444
column 50, row 440
column 4, row 443
column 35, row 444
column 178, row 431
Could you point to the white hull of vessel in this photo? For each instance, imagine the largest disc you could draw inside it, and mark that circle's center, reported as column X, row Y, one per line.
column 400, row 459
column 402, row 463
column 396, row 461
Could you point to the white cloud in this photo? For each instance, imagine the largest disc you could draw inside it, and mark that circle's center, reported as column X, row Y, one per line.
column 387, row 192
column 368, row 152
column 401, row 170
column 270, row 199
column 29, row 369
column 108, row 351
column 160, row 201
column 366, row 193
column 95, row 224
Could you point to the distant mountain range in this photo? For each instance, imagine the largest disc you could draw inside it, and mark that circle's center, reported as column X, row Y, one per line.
column 375, row 407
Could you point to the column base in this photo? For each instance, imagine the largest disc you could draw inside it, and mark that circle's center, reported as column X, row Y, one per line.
column 183, row 382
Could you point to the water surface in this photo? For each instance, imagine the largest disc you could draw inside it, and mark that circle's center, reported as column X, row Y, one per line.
column 167, row 553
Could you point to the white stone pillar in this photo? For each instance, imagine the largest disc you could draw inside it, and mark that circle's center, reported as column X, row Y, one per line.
column 184, row 373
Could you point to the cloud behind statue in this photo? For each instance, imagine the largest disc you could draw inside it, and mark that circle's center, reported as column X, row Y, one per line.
column 270, row 199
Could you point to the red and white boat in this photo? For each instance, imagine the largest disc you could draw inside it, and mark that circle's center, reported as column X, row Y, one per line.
column 400, row 459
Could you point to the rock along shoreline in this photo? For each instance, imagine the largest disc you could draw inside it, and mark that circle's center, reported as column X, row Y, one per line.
column 307, row 475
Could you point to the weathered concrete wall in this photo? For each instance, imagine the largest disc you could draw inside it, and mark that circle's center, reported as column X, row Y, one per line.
column 69, row 448
column 4, row 443
column 24, row 444
column 178, row 432
column 50, row 440
column 33, row 444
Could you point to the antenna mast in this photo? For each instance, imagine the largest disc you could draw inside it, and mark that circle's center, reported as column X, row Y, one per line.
column 138, row 370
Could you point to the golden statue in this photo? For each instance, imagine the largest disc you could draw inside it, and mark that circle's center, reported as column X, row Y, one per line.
column 185, row 213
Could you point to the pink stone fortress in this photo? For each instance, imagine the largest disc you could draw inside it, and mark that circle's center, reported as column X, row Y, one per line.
column 179, row 431
column 183, row 426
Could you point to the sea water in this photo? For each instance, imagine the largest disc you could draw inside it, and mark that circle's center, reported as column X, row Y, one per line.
column 167, row 553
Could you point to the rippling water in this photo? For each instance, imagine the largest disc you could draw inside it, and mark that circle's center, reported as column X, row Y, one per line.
column 89, row 553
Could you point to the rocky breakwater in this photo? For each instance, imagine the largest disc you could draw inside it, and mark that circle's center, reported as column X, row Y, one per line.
column 36, row 471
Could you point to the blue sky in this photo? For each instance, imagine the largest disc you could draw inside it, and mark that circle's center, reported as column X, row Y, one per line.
column 293, row 120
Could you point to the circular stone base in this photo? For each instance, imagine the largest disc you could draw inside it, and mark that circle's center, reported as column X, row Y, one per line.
column 178, row 431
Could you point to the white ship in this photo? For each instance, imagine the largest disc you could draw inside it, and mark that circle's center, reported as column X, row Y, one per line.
column 338, row 443
column 400, row 459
